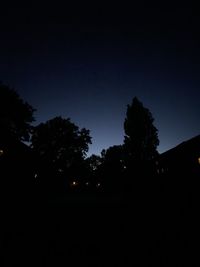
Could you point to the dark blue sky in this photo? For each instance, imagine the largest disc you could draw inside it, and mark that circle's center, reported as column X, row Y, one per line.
column 87, row 63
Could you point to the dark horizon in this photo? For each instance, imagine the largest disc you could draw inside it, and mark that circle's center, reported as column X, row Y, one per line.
column 88, row 64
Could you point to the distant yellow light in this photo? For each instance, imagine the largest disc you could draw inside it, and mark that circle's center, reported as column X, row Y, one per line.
column 199, row 160
column 74, row 183
column 1, row 152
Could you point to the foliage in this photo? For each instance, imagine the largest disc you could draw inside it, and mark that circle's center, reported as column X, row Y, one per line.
column 16, row 115
column 141, row 136
column 61, row 143
column 113, row 168
column 93, row 178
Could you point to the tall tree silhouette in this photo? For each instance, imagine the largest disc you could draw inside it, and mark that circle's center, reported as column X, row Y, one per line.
column 140, row 145
column 16, row 115
column 141, row 136
column 63, row 145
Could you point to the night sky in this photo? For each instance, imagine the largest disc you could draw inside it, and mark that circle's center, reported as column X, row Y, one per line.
column 88, row 62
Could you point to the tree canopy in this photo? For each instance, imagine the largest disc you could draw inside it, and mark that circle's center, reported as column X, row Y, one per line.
column 113, row 168
column 16, row 115
column 62, row 144
column 141, row 136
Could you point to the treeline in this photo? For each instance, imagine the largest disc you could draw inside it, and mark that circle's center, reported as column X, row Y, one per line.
column 59, row 161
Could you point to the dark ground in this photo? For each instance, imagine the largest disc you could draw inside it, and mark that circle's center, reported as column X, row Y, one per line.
column 102, row 230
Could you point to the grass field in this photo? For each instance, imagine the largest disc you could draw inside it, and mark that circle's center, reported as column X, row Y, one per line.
column 99, row 230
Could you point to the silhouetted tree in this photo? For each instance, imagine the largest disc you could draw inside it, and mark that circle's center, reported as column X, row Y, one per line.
column 141, row 136
column 64, row 146
column 16, row 160
column 113, row 168
column 140, row 144
column 93, row 177
column 16, row 115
